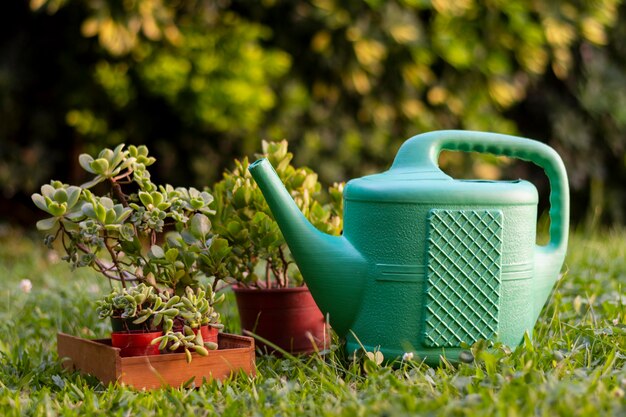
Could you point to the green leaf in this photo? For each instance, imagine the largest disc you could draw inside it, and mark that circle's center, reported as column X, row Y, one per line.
column 73, row 195
column 141, row 319
column 145, row 198
column 100, row 166
column 85, row 160
column 60, row 195
column 47, row 224
column 89, row 211
column 39, row 201
column 101, row 213
column 171, row 255
column 157, row 252
column 201, row 350
column 110, row 216
column 200, row 226
column 93, row 182
column 57, row 209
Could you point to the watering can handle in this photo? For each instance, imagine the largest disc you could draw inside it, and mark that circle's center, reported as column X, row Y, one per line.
column 421, row 153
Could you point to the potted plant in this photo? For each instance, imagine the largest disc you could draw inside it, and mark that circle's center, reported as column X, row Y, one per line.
column 155, row 242
column 136, row 315
column 272, row 299
column 194, row 326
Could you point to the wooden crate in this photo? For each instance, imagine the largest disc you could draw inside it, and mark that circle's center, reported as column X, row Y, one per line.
column 100, row 359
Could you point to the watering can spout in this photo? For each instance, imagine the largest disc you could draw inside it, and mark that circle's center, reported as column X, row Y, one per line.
column 332, row 268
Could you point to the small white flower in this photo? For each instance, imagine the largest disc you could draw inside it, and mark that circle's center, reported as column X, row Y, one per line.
column 615, row 322
column 408, row 356
column 26, row 285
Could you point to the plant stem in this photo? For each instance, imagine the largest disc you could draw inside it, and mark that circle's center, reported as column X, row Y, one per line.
column 120, row 271
column 117, row 190
column 285, row 265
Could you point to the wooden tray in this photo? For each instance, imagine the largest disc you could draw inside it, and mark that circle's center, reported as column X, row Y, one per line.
column 100, row 359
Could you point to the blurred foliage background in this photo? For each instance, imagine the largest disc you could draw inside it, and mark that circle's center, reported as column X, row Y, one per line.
column 345, row 82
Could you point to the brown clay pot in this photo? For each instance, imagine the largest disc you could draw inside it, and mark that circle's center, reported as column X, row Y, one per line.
column 284, row 316
column 135, row 343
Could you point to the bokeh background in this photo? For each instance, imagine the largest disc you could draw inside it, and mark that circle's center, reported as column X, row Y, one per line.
column 345, row 82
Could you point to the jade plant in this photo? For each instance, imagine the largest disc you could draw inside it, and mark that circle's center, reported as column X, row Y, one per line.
column 259, row 256
column 131, row 230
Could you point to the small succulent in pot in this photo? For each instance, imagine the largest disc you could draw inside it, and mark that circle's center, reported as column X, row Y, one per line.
column 196, row 324
column 138, row 308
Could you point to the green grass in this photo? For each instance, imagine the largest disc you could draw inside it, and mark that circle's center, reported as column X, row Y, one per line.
column 575, row 365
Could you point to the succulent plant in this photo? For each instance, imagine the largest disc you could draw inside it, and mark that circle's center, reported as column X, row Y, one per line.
column 141, row 303
column 59, row 200
column 117, row 232
column 195, row 309
column 259, row 256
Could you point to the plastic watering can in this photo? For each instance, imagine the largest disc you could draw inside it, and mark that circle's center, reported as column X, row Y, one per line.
column 427, row 262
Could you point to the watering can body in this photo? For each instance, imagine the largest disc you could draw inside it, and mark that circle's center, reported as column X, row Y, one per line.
column 427, row 263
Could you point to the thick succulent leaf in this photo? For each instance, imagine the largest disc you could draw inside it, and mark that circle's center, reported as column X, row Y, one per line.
column 141, row 319
column 47, row 190
column 106, row 153
column 123, row 214
column 107, row 202
column 145, row 198
column 93, row 182
column 157, row 251
column 60, row 195
column 207, row 197
column 73, row 195
column 100, row 166
column 57, row 209
column 47, row 224
column 200, row 226
column 118, row 155
column 101, row 213
column 89, row 211
column 110, row 216
column 157, row 198
column 85, row 161
column 39, row 201
column 75, row 215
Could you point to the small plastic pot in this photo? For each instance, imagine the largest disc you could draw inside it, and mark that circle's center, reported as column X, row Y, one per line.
column 209, row 334
column 135, row 343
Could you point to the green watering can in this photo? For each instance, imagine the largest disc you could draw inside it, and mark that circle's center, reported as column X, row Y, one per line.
column 427, row 262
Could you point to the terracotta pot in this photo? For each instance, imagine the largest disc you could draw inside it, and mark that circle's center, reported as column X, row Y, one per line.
column 287, row 317
column 135, row 343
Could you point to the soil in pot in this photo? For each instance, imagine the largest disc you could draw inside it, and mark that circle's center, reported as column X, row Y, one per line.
column 287, row 317
column 135, row 343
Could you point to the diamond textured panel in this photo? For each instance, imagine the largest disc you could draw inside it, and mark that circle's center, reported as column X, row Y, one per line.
column 464, row 272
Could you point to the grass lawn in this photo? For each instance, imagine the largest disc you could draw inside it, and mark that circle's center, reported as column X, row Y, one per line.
column 574, row 366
